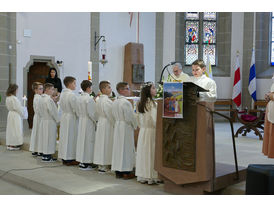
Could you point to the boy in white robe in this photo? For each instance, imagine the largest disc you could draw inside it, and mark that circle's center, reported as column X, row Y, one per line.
column 37, row 88
column 104, row 133
column 86, row 128
column 123, row 154
column 199, row 78
column 68, row 123
column 48, row 124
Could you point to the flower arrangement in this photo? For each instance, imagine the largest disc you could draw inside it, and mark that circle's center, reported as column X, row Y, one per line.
column 159, row 93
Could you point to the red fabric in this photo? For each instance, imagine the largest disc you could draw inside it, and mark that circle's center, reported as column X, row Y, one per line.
column 248, row 118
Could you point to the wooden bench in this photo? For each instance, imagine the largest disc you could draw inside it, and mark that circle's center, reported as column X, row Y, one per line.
column 260, row 103
column 229, row 104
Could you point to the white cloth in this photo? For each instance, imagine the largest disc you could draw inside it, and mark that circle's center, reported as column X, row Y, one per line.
column 48, row 124
column 68, row 125
column 208, row 84
column 270, row 105
column 14, row 132
column 86, row 128
column 123, row 154
column 35, row 126
column 104, row 133
column 146, row 143
column 183, row 77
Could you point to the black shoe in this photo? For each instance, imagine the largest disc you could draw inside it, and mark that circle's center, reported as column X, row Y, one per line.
column 49, row 159
column 34, row 154
column 39, row 154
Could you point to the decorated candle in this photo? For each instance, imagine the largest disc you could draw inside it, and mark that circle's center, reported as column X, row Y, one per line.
column 24, row 100
column 89, row 70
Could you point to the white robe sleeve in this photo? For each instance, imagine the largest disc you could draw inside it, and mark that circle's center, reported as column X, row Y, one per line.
column 153, row 113
column 107, row 108
column 53, row 110
column 129, row 115
column 91, row 109
column 212, row 94
column 73, row 104
column 16, row 106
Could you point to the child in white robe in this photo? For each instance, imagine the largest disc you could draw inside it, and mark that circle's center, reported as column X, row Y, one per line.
column 147, row 115
column 104, row 133
column 86, row 128
column 48, row 124
column 68, row 123
column 14, row 131
column 37, row 88
column 199, row 78
column 123, row 154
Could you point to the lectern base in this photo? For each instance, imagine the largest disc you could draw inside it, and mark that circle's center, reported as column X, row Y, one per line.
column 225, row 176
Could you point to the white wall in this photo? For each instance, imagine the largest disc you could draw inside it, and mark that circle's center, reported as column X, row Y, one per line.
column 115, row 27
column 66, row 36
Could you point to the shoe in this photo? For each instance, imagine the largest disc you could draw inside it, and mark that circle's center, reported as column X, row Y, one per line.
column 101, row 171
column 34, row 154
column 87, row 168
column 39, row 154
column 49, row 160
column 128, row 176
column 151, row 182
column 70, row 163
column 13, row 148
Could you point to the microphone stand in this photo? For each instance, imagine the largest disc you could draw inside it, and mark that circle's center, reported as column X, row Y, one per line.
column 161, row 82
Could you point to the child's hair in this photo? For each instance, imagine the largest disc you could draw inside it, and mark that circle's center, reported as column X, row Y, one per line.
column 199, row 63
column 35, row 85
column 121, row 85
column 68, row 80
column 85, row 84
column 11, row 90
column 145, row 97
column 103, row 84
column 48, row 86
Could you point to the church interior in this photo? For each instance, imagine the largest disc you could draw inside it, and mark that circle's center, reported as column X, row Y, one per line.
column 208, row 150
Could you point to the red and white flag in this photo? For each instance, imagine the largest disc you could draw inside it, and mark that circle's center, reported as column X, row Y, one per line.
column 237, row 86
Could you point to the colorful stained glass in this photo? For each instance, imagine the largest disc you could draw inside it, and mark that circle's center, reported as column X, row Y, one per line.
column 192, row 31
column 210, row 16
column 209, row 33
column 272, row 54
column 272, row 28
column 192, row 15
column 211, row 51
column 191, row 53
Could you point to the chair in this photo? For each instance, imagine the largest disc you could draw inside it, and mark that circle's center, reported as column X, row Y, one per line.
column 250, row 122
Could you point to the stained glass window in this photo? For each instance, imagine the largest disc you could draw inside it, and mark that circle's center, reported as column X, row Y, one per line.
column 272, row 42
column 197, row 46
column 191, row 53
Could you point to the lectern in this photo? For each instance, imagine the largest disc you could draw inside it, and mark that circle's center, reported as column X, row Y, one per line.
column 185, row 149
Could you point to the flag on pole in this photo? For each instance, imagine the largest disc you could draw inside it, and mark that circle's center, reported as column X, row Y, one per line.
column 208, row 71
column 252, row 77
column 237, row 85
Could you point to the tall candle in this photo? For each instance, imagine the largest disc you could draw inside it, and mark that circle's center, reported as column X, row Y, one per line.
column 24, row 100
column 89, row 70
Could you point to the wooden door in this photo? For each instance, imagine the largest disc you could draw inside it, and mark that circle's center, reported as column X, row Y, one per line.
column 38, row 72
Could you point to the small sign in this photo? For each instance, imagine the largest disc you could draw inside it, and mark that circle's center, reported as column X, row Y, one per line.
column 138, row 73
column 173, row 100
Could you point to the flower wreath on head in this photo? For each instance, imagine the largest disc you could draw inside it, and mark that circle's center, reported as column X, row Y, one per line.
column 146, row 84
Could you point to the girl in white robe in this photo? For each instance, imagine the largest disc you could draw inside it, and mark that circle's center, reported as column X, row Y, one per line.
column 86, row 128
column 48, row 124
column 38, row 90
column 14, row 131
column 123, row 155
column 147, row 115
column 68, row 123
column 199, row 78
column 104, row 133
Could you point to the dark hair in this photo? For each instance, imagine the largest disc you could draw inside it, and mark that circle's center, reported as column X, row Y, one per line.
column 68, row 80
column 199, row 63
column 48, row 86
column 121, row 85
column 85, row 84
column 35, row 85
column 11, row 90
column 103, row 85
column 145, row 97
column 56, row 74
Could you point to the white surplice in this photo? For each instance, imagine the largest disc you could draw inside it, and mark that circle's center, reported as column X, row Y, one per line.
column 35, row 126
column 104, row 133
column 68, row 125
column 146, row 143
column 14, row 132
column 48, row 124
column 123, row 154
column 208, row 84
column 86, row 128
column 270, row 106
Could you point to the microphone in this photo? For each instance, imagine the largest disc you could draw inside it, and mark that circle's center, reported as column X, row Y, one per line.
column 170, row 64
